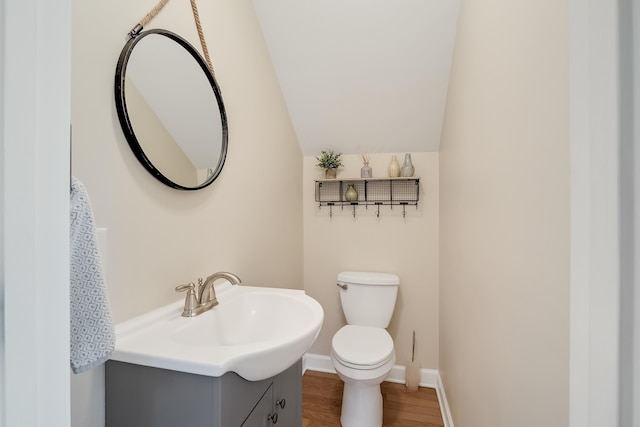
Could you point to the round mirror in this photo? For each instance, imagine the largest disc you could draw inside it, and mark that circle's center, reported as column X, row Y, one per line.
column 171, row 110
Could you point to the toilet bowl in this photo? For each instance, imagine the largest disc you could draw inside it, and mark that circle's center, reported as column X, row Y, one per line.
column 362, row 352
column 362, row 356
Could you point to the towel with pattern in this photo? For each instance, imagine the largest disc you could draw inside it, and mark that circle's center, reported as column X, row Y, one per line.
column 92, row 333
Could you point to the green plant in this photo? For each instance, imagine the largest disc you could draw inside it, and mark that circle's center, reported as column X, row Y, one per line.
column 329, row 160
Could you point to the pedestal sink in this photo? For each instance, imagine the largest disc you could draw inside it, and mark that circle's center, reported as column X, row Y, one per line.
column 255, row 332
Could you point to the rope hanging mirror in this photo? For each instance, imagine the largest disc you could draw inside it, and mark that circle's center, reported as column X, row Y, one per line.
column 196, row 16
column 170, row 106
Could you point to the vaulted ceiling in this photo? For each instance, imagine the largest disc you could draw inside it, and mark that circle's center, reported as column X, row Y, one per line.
column 362, row 76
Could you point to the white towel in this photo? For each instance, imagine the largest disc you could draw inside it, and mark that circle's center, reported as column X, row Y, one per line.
column 92, row 333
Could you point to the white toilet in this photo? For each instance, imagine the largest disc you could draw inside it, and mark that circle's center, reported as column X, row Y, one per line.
column 362, row 351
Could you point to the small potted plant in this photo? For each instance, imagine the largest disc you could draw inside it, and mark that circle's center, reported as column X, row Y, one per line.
column 329, row 161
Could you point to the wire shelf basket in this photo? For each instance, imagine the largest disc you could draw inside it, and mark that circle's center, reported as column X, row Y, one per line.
column 371, row 192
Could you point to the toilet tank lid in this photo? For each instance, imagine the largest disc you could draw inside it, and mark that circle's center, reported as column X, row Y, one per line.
column 368, row 278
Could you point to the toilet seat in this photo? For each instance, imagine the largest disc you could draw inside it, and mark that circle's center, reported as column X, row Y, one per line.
column 362, row 347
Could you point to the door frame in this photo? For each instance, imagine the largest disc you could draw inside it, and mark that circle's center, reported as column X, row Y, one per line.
column 595, row 211
column 35, row 88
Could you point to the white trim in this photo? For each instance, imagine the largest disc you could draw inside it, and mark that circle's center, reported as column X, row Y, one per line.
column 35, row 95
column 318, row 363
column 444, row 404
column 429, row 378
column 635, row 334
column 594, row 282
column 629, row 41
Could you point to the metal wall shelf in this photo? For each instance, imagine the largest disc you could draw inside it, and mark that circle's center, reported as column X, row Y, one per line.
column 371, row 192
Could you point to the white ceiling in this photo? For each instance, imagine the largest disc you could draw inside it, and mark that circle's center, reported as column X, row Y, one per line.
column 362, row 76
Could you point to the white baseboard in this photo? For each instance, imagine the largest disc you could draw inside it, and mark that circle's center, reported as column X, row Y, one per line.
column 444, row 404
column 317, row 362
column 428, row 378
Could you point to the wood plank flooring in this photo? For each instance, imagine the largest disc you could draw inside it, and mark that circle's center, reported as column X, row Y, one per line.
column 322, row 400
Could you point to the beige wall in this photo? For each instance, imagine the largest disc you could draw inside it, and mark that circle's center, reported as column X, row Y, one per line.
column 504, row 252
column 248, row 222
column 407, row 247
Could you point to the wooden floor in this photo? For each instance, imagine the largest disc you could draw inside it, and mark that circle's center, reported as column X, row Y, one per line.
column 322, row 399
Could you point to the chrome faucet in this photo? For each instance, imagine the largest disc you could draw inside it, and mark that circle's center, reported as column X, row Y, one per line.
column 204, row 299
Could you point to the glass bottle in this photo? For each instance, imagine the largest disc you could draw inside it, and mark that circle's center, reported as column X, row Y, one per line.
column 407, row 167
column 366, row 171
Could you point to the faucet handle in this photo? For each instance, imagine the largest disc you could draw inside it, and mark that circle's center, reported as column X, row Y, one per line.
column 189, row 287
column 191, row 301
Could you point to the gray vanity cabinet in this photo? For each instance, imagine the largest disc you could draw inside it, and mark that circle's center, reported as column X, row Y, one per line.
column 287, row 396
column 263, row 414
column 142, row 396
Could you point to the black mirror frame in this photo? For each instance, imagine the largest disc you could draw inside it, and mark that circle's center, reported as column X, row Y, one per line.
column 125, row 122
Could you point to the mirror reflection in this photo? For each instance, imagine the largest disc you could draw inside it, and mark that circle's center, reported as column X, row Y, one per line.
column 171, row 110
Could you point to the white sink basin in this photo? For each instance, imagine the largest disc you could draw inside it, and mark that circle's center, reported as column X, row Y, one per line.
column 256, row 332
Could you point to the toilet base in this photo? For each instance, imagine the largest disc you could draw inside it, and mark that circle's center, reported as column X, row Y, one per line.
column 361, row 405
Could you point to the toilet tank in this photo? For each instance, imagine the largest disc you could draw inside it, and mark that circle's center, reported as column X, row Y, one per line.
column 369, row 298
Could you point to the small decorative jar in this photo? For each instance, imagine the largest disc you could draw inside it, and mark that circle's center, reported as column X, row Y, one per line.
column 330, row 173
column 407, row 167
column 366, row 171
column 394, row 167
column 352, row 194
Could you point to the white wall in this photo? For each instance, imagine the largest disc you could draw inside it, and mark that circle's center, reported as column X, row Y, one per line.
column 248, row 222
column 504, row 218
column 407, row 247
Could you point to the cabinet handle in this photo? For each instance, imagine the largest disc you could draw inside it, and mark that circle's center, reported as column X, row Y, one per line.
column 273, row 418
column 281, row 403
